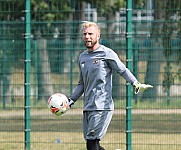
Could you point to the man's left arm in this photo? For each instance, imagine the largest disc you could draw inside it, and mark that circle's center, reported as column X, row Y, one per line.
column 116, row 64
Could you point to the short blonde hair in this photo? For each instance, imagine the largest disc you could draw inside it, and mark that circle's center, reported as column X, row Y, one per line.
column 90, row 24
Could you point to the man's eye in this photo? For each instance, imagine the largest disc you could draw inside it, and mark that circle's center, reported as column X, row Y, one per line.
column 87, row 34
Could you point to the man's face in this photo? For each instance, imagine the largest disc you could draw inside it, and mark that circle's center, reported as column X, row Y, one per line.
column 91, row 37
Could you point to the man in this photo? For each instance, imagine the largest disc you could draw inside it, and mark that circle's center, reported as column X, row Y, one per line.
column 96, row 65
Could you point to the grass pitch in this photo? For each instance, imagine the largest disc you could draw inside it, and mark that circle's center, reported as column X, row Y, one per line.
column 153, row 129
column 74, row 141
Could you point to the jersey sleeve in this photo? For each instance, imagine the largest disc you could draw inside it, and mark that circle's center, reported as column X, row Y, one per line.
column 79, row 89
column 116, row 64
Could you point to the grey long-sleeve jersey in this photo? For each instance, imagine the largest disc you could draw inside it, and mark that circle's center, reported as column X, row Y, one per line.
column 95, row 79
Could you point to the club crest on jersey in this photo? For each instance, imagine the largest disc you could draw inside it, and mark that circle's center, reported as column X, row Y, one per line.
column 95, row 61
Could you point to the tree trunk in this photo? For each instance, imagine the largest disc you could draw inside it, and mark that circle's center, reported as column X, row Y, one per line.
column 154, row 55
column 111, row 36
column 45, row 88
column 153, row 71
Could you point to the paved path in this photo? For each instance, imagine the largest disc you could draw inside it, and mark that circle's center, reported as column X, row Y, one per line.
column 46, row 112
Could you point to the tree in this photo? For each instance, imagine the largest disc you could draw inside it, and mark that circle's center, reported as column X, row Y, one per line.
column 44, row 14
column 48, row 29
column 10, row 34
column 163, row 33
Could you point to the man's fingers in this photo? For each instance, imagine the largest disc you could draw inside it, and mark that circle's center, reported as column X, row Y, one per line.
column 145, row 86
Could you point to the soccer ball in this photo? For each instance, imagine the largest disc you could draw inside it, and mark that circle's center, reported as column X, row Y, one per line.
column 58, row 104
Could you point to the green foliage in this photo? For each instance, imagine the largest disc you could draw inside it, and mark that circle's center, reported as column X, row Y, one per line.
column 179, row 73
column 50, row 10
column 170, row 32
column 12, row 9
column 168, row 77
column 47, row 15
column 139, row 4
column 107, row 6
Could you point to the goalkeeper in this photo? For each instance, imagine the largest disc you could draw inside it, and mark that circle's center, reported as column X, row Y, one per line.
column 96, row 65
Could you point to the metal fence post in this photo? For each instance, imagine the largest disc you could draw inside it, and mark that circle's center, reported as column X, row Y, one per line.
column 129, row 65
column 27, row 74
column 4, row 66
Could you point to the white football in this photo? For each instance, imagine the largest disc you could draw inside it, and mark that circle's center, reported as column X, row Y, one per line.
column 58, row 104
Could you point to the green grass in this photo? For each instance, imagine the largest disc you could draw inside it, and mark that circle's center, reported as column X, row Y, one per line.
column 152, row 130
column 74, row 141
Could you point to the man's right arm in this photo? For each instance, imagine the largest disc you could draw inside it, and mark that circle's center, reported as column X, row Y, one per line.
column 78, row 91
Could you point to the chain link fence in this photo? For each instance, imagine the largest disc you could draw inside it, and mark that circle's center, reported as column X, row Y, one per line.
column 56, row 43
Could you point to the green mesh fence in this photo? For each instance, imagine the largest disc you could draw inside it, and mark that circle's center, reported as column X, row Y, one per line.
column 56, row 43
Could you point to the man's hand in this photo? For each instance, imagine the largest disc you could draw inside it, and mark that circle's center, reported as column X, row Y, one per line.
column 140, row 87
column 70, row 102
